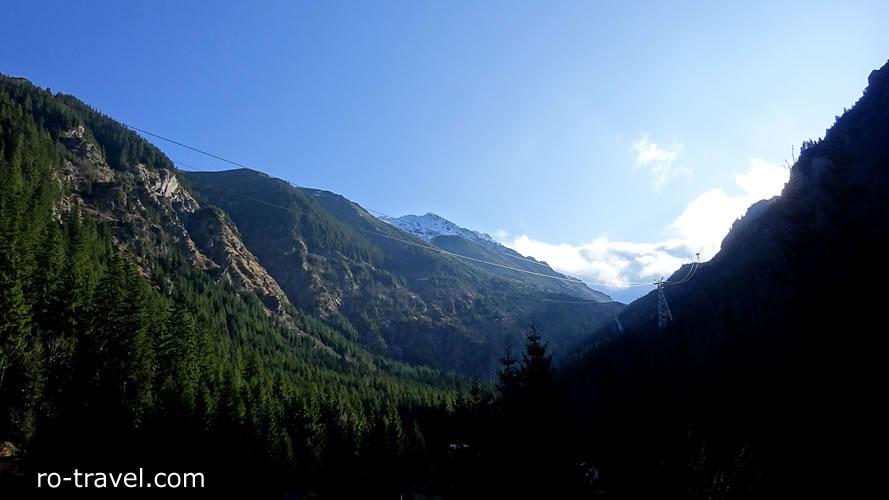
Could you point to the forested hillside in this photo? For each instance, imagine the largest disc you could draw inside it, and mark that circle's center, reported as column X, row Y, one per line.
column 234, row 324
column 120, row 339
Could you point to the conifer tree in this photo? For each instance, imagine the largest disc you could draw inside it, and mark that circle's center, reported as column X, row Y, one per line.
column 14, row 312
column 536, row 373
column 509, row 379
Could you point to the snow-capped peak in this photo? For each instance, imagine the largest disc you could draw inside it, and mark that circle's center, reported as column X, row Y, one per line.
column 430, row 225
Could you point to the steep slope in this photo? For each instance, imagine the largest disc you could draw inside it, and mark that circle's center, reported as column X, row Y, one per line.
column 152, row 214
column 453, row 238
column 137, row 330
column 388, row 288
column 530, row 281
column 563, row 308
column 769, row 369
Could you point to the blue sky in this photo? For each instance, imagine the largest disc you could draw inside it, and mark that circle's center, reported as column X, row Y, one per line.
column 610, row 138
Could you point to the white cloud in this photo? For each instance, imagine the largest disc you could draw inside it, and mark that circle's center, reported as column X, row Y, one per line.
column 658, row 162
column 700, row 228
column 613, row 264
column 501, row 235
column 763, row 180
column 707, row 219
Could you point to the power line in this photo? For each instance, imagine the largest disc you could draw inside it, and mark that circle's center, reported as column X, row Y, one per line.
column 211, row 155
column 427, row 247
column 377, row 233
column 689, row 275
column 526, row 259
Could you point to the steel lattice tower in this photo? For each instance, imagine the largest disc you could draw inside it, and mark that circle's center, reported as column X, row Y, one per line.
column 663, row 309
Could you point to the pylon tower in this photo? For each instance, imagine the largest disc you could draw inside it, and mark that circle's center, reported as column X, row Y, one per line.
column 664, row 316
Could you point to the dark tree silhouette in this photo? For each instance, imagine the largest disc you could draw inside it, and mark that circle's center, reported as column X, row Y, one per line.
column 536, row 373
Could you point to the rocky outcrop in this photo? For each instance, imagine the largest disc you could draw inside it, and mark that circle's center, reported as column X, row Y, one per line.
column 217, row 236
column 163, row 186
column 152, row 213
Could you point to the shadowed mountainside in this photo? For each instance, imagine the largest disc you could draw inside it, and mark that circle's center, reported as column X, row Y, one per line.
column 388, row 288
column 767, row 377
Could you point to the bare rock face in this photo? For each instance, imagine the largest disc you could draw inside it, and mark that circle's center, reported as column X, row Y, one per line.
column 75, row 143
column 217, row 235
column 162, row 185
column 91, row 167
column 152, row 214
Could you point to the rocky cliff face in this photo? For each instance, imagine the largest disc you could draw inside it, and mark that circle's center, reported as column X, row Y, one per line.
column 152, row 214
column 218, row 239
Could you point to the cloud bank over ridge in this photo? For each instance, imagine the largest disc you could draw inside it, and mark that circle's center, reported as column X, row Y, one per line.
column 701, row 227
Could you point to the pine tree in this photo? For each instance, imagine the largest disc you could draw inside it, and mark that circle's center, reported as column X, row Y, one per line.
column 536, row 373
column 119, row 355
column 509, row 382
column 15, row 325
column 14, row 311
column 179, row 351
column 46, row 283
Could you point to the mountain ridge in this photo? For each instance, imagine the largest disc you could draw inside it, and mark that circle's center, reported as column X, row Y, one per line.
column 134, row 318
column 770, row 351
column 388, row 289
column 430, row 225
column 440, row 232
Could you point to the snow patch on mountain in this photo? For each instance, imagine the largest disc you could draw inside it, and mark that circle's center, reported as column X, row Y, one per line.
column 429, row 226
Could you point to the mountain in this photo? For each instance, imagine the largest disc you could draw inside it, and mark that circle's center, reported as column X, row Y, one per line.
column 390, row 291
column 451, row 237
column 138, row 329
column 267, row 336
column 272, row 336
column 152, row 214
column 768, row 374
column 429, row 226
